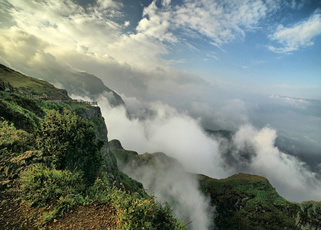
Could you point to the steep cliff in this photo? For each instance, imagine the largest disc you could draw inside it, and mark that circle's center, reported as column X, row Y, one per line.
column 56, row 168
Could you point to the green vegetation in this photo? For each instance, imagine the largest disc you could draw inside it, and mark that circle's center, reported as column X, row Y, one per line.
column 31, row 87
column 57, row 166
column 55, row 163
column 68, row 142
column 55, row 158
column 249, row 202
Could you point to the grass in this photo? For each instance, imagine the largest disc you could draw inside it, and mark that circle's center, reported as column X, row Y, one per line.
column 249, row 202
column 30, row 86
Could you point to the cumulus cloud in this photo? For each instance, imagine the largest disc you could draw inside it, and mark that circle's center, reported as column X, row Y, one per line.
column 64, row 24
column 297, row 36
column 94, row 31
column 156, row 23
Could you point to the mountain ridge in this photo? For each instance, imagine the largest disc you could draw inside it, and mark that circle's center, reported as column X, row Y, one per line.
column 241, row 201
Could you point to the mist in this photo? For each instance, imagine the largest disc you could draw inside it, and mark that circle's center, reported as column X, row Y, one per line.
column 168, row 182
column 166, row 130
column 251, row 150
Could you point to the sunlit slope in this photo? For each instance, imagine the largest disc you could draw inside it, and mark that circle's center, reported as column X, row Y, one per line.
column 30, row 86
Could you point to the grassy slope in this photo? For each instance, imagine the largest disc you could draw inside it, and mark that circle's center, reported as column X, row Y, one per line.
column 248, row 202
column 242, row 201
column 31, row 86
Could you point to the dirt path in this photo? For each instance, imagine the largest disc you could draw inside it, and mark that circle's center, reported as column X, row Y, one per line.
column 95, row 216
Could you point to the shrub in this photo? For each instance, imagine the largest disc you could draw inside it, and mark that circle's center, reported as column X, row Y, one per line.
column 69, row 142
column 14, row 140
column 135, row 212
column 43, row 186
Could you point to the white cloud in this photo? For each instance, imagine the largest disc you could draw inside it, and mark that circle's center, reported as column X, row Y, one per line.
column 297, row 102
column 94, row 31
column 156, row 23
column 127, row 23
column 180, row 136
column 170, row 183
column 168, row 131
column 108, row 4
column 220, row 21
column 298, row 36
column 66, row 25
column 268, row 161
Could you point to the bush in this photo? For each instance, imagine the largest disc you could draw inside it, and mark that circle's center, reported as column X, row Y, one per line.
column 14, row 140
column 135, row 212
column 42, row 186
column 69, row 142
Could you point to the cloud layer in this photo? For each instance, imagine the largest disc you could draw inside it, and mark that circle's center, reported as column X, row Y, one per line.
column 250, row 150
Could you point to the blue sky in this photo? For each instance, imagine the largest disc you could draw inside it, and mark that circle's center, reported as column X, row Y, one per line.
column 266, row 49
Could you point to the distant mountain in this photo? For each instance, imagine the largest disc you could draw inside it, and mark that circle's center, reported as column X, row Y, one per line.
column 88, row 85
column 220, row 133
column 75, row 82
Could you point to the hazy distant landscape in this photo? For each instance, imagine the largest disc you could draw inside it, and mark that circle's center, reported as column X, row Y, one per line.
column 191, row 91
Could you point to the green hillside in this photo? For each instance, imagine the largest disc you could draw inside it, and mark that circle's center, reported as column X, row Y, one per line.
column 56, row 170
column 31, row 87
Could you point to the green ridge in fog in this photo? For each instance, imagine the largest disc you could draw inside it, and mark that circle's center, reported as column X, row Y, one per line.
column 241, row 201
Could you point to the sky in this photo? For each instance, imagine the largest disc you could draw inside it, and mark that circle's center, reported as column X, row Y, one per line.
column 226, row 63
column 202, row 63
column 270, row 47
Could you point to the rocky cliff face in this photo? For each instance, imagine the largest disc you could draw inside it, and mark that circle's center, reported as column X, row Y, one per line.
column 109, row 165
